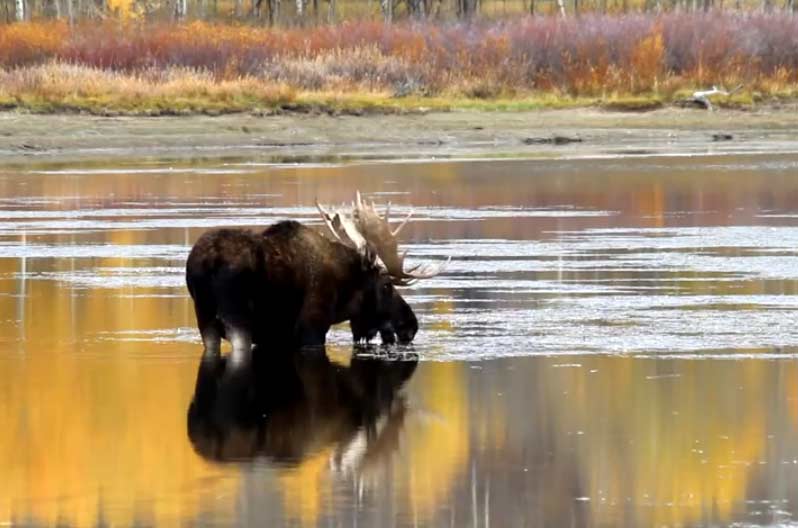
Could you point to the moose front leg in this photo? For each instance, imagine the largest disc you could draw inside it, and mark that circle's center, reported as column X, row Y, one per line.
column 387, row 337
column 312, row 326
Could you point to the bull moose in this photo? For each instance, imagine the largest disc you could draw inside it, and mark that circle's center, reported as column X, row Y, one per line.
column 288, row 284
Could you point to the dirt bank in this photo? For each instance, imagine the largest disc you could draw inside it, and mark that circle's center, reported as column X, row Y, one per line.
column 27, row 138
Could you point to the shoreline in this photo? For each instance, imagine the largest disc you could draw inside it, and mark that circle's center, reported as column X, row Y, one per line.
column 27, row 139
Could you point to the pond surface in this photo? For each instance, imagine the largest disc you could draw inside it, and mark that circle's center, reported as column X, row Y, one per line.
column 613, row 343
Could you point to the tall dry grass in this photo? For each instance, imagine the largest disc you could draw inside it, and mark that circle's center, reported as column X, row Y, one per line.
column 60, row 86
column 591, row 56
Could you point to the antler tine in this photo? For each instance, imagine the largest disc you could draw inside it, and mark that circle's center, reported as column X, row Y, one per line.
column 321, row 209
column 328, row 221
column 360, row 242
column 425, row 271
column 351, row 231
column 387, row 212
column 404, row 282
column 396, row 231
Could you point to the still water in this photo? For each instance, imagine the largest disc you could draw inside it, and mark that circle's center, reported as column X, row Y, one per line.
column 613, row 343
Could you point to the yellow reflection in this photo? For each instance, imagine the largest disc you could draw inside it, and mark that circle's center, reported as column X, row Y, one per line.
column 306, row 487
column 438, row 440
column 676, row 446
column 94, row 427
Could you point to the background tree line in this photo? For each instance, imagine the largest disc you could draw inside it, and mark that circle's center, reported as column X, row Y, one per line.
column 299, row 12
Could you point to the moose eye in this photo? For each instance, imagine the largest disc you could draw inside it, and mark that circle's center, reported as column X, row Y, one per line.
column 387, row 287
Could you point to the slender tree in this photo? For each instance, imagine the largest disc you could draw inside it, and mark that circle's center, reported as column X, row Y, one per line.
column 387, row 10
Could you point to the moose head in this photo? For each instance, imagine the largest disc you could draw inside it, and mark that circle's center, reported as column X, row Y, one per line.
column 383, row 309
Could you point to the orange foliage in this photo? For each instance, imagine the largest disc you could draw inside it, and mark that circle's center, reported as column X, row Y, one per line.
column 647, row 62
column 31, row 42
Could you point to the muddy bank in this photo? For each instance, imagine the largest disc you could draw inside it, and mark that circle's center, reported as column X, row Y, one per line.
column 26, row 138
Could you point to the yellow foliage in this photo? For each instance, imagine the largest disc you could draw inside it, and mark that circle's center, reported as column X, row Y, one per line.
column 124, row 9
column 647, row 62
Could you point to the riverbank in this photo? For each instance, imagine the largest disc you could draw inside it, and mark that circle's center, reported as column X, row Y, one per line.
column 290, row 138
column 631, row 61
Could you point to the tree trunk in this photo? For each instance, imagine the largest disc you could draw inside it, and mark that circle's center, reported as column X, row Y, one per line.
column 387, row 10
column 561, row 7
column 20, row 10
column 467, row 8
column 300, row 8
column 274, row 11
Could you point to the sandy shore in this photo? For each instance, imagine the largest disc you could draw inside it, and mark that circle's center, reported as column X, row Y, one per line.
column 27, row 138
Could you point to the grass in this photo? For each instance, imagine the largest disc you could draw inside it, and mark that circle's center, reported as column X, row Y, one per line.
column 626, row 62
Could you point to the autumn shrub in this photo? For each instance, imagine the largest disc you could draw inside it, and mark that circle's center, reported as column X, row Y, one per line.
column 363, row 68
column 30, row 43
column 592, row 55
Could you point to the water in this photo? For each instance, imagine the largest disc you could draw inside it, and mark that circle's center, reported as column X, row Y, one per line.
column 613, row 343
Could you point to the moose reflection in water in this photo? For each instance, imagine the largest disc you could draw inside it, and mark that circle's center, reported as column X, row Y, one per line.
column 289, row 284
column 287, row 407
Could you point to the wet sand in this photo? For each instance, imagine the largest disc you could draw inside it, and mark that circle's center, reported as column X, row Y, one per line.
column 27, row 138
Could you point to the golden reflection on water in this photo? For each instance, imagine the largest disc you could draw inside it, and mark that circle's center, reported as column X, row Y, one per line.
column 95, row 419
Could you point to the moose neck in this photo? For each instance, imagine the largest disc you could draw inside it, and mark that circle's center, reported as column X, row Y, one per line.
column 351, row 278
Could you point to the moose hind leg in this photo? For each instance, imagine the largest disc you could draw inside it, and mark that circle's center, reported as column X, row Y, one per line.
column 210, row 328
column 212, row 340
column 241, row 340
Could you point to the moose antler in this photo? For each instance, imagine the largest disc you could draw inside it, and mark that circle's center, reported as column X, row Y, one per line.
column 370, row 228
column 342, row 228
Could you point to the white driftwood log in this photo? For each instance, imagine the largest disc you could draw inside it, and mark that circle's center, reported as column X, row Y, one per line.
column 702, row 96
